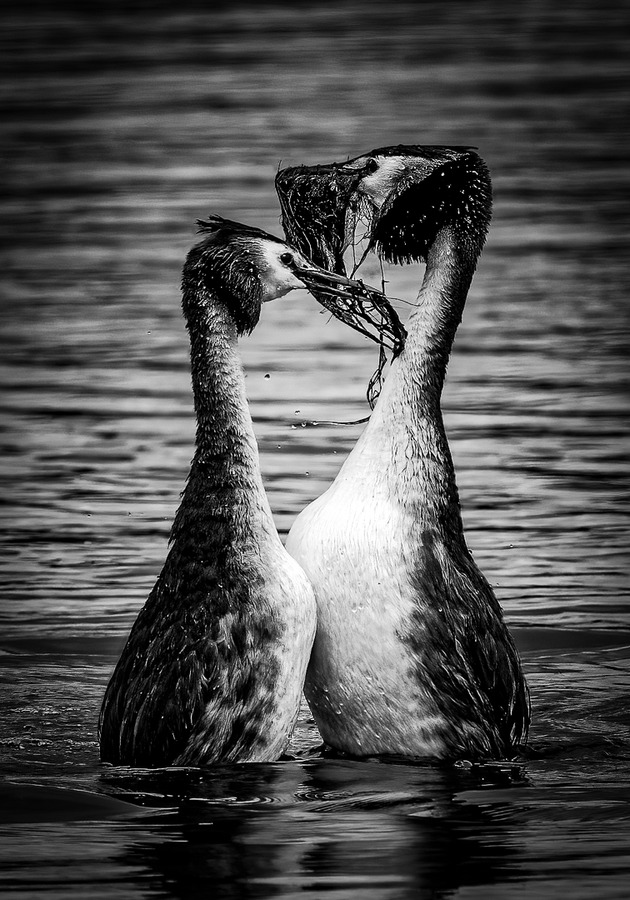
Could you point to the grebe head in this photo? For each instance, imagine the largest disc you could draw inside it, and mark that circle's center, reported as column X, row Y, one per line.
column 406, row 194
column 414, row 192
column 243, row 267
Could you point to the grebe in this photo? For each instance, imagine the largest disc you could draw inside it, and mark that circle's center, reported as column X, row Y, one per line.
column 214, row 666
column 412, row 655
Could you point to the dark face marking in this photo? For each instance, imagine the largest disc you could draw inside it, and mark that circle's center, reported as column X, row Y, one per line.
column 226, row 265
column 428, row 197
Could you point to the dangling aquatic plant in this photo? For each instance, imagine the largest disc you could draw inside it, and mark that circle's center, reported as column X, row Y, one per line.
column 319, row 216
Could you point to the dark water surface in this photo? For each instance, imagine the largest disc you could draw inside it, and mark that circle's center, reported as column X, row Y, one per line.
column 123, row 123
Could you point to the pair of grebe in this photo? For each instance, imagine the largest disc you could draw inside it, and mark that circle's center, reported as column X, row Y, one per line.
column 379, row 611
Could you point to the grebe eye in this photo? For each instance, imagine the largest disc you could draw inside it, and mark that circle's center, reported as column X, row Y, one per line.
column 371, row 166
column 286, row 258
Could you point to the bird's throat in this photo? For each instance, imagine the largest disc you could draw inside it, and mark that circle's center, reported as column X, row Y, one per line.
column 405, row 445
column 438, row 313
column 224, row 488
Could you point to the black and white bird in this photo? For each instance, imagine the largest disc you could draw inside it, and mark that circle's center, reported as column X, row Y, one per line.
column 412, row 655
column 214, row 666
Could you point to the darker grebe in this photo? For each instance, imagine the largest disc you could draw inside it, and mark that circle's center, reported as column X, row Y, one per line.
column 412, row 655
column 214, row 666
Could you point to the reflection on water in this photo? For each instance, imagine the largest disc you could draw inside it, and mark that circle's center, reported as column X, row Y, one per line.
column 123, row 126
column 359, row 829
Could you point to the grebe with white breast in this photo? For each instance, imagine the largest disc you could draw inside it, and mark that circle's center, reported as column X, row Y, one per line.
column 214, row 666
column 412, row 655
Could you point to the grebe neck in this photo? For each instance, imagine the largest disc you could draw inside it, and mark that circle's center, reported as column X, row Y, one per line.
column 438, row 313
column 405, row 442
column 225, row 485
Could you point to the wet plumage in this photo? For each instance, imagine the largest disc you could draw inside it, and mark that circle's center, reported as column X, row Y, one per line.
column 412, row 654
column 214, row 665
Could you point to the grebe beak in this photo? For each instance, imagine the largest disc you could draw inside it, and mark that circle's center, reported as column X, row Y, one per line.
column 358, row 305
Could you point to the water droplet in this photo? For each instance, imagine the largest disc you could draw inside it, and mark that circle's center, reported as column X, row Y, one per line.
column 267, row 375
column 297, row 412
